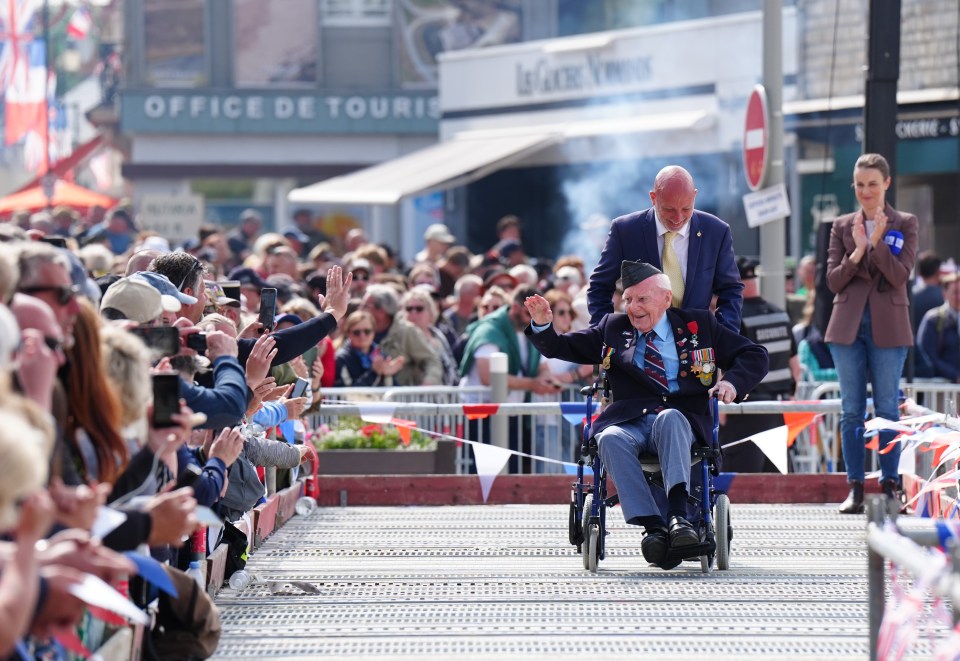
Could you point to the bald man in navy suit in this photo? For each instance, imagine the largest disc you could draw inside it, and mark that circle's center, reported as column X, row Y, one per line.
column 702, row 243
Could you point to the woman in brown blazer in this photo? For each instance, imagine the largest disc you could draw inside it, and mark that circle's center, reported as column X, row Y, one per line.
column 868, row 267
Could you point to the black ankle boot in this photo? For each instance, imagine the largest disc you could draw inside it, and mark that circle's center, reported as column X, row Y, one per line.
column 854, row 502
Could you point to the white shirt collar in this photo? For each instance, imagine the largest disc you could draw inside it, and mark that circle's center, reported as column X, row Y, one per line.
column 662, row 229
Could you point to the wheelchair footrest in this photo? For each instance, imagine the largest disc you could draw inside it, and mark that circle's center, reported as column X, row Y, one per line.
column 692, row 551
column 612, row 500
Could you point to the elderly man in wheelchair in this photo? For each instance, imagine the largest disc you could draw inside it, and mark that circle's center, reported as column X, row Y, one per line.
column 662, row 364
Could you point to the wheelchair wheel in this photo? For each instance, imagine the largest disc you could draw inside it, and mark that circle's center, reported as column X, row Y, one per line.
column 724, row 530
column 591, row 556
column 586, row 550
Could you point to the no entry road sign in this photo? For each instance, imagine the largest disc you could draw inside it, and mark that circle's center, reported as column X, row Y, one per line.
column 755, row 138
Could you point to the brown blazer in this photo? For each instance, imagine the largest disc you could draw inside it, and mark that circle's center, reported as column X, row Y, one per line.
column 881, row 277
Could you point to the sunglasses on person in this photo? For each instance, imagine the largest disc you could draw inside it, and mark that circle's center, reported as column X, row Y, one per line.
column 361, row 332
column 197, row 266
column 55, row 345
column 490, row 307
column 65, row 293
column 562, row 312
column 361, row 276
column 414, row 308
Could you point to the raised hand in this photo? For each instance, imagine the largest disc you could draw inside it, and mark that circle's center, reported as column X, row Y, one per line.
column 879, row 228
column 859, row 233
column 261, row 357
column 227, row 446
column 338, row 292
column 539, row 309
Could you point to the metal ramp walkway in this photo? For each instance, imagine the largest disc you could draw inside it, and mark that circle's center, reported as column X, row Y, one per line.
column 501, row 582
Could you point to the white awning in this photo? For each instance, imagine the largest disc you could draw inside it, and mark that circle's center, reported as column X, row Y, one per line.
column 444, row 165
column 472, row 155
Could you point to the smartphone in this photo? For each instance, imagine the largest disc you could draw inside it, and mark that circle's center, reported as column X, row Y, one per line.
column 166, row 399
column 268, row 308
column 56, row 241
column 163, row 340
column 197, row 342
column 300, row 389
column 188, row 476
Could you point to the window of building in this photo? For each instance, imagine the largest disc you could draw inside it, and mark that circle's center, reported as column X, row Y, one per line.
column 175, row 45
column 275, row 43
column 356, row 13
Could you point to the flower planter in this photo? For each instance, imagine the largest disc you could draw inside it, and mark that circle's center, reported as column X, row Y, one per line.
column 389, row 462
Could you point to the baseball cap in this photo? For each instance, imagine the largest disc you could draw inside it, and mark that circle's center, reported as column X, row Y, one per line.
column 507, row 247
column 218, row 296
column 360, row 264
column 247, row 276
column 231, row 289
column 289, row 317
column 137, row 300
column 747, row 267
column 296, row 235
column 569, row 273
column 439, row 232
column 163, row 285
column 251, row 214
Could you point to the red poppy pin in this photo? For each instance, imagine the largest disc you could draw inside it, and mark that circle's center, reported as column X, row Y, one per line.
column 692, row 326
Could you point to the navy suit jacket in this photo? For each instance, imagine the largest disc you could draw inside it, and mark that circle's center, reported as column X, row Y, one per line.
column 744, row 365
column 711, row 264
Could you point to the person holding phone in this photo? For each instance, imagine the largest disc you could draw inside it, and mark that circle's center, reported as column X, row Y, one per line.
column 871, row 254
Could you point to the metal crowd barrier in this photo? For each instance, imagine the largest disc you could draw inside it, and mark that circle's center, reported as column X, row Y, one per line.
column 906, row 548
column 440, row 409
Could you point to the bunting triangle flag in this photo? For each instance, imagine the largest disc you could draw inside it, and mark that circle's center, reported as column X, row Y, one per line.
column 403, row 428
column 773, row 443
column 796, row 423
column 377, row 412
column 490, row 460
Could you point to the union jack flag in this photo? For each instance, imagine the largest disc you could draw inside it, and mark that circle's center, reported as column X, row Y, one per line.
column 18, row 24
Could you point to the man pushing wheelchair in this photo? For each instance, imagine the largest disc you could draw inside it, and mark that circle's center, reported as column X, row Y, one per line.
column 662, row 364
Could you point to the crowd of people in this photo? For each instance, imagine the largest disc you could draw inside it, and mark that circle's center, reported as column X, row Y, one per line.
column 127, row 363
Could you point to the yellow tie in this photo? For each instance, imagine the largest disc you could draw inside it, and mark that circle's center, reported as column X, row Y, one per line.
column 671, row 266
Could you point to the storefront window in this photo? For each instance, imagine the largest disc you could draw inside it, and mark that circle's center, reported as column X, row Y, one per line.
column 428, row 27
column 175, row 43
column 275, row 43
column 356, row 12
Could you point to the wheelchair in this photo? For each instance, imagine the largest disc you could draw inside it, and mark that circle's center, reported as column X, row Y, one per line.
column 708, row 508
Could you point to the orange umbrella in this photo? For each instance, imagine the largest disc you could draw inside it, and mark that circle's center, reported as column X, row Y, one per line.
column 64, row 193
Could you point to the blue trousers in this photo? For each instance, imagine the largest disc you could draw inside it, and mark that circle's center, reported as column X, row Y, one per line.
column 666, row 434
column 855, row 364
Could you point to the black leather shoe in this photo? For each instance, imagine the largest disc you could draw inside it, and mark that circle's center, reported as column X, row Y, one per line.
column 654, row 545
column 682, row 533
column 854, row 502
column 890, row 489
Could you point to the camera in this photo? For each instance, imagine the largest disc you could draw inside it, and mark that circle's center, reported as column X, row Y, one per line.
column 197, row 342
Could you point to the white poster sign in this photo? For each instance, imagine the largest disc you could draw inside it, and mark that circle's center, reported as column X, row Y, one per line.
column 766, row 205
column 174, row 217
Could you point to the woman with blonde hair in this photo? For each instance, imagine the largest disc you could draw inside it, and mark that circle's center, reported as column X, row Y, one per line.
column 358, row 361
column 26, row 516
column 418, row 307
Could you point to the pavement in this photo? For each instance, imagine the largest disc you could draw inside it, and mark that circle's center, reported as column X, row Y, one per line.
column 502, row 582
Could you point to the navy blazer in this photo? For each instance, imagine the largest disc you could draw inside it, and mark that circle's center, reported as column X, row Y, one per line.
column 711, row 264
column 744, row 365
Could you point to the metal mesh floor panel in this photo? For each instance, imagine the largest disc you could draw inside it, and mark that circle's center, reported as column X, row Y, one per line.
column 501, row 582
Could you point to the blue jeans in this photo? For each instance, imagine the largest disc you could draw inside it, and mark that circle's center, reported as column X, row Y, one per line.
column 855, row 363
